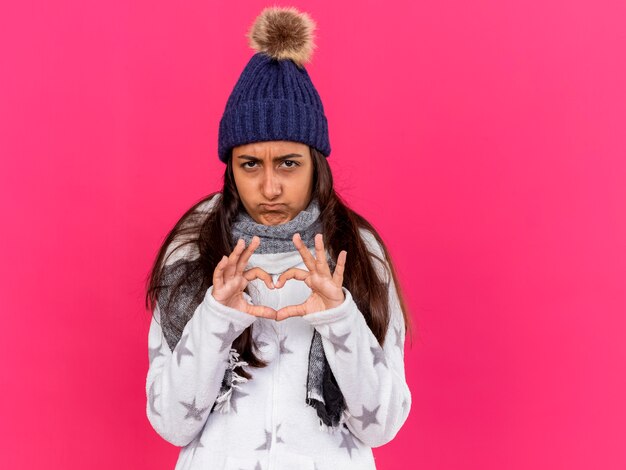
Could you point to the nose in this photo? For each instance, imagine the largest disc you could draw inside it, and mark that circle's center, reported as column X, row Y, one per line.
column 271, row 184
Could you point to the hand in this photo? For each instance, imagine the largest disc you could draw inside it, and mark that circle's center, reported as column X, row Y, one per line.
column 327, row 292
column 230, row 280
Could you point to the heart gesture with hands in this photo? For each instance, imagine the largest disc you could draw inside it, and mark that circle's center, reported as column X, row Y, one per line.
column 327, row 292
column 230, row 280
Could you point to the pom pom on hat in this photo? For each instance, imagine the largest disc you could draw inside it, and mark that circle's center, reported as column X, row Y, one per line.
column 283, row 33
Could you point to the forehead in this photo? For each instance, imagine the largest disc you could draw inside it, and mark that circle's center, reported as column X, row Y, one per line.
column 271, row 148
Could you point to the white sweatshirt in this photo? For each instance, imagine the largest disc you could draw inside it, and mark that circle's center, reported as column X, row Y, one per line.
column 270, row 427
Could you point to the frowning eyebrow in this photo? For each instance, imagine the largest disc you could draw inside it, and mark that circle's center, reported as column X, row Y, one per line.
column 282, row 157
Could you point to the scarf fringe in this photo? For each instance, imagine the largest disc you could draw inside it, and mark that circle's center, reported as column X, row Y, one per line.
column 222, row 403
column 345, row 415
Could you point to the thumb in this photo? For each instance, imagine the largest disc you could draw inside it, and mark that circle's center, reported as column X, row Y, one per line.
column 261, row 311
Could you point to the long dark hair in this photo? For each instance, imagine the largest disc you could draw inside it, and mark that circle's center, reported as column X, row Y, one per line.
column 211, row 236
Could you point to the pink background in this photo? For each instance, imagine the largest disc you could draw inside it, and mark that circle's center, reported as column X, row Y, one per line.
column 485, row 140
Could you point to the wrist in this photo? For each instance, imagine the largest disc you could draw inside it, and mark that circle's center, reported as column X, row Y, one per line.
column 335, row 303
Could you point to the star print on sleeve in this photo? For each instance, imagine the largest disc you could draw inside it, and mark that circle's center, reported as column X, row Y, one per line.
column 338, row 341
column 154, row 352
column 399, row 343
column 406, row 405
column 181, row 349
column 184, row 380
column 370, row 375
column 227, row 336
column 368, row 417
column 379, row 355
column 193, row 411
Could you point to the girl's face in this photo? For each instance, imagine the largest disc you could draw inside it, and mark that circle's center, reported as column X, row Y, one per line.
column 274, row 179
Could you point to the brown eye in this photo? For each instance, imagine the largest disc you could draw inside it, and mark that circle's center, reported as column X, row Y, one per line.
column 295, row 164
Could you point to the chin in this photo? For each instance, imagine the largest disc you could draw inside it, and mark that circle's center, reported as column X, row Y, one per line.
column 274, row 219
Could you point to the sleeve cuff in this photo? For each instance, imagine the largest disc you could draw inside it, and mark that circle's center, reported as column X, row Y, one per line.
column 335, row 314
column 242, row 319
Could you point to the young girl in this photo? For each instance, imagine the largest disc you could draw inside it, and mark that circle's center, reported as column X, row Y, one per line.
column 277, row 337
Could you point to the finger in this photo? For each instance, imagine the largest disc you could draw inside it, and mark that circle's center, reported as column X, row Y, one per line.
column 306, row 255
column 261, row 311
column 320, row 255
column 257, row 272
column 243, row 260
column 292, row 273
column 229, row 271
column 290, row 311
column 340, row 268
column 218, row 273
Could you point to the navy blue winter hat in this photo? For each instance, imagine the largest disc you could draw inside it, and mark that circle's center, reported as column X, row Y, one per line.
column 274, row 98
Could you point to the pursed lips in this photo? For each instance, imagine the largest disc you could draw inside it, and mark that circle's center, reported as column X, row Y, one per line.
column 272, row 206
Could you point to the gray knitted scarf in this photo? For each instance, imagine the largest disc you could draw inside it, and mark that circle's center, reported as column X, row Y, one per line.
column 323, row 392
